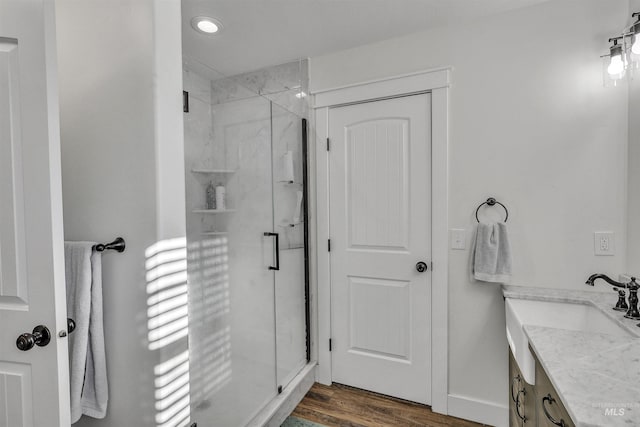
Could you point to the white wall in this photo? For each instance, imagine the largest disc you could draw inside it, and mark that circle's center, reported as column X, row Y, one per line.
column 120, row 125
column 633, row 252
column 532, row 125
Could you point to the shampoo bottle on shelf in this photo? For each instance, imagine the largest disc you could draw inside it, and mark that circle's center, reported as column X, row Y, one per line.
column 211, row 196
column 220, row 197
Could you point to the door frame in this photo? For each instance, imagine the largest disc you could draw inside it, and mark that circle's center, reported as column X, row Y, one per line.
column 437, row 82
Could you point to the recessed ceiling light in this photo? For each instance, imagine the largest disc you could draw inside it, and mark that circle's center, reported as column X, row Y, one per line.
column 206, row 25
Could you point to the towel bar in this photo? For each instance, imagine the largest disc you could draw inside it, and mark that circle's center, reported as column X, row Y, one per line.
column 117, row 245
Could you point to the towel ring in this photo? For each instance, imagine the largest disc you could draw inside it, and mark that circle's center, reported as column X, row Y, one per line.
column 492, row 202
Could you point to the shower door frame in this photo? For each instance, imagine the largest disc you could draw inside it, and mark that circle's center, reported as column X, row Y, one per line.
column 305, row 217
column 437, row 82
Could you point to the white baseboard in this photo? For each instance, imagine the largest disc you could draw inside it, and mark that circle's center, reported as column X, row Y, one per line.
column 479, row 411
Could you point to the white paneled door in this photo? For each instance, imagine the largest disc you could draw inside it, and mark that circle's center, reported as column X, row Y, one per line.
column 34, row 388
column 380, row 229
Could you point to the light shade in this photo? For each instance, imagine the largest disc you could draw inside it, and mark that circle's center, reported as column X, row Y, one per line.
column 614, row 64
column 635, row 36
column 635, row 47
column 206, row 25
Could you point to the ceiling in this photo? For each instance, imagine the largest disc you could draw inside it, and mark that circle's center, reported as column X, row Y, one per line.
column 260, row 33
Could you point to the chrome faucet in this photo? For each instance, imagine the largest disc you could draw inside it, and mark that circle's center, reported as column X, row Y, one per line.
column 632, row 286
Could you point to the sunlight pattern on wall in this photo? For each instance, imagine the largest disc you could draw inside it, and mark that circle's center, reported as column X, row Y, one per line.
column 210, row 309
column 172, row 392
column 167, row 304
column 168, row 330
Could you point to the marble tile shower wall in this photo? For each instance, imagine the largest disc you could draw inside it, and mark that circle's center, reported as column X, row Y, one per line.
column 241, row 127
column 283, row 84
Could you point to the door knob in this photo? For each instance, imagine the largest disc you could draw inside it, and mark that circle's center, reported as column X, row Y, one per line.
column 40, row 336
column 421, row 267
column 71, row 325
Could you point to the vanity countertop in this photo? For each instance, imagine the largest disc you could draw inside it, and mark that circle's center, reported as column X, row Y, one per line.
column 597, row 376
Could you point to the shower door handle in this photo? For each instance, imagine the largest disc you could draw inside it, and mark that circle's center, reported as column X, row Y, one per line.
column 276, row 249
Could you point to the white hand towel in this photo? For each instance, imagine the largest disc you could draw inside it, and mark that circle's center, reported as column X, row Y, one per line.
column 491, row 254
column 87, row 364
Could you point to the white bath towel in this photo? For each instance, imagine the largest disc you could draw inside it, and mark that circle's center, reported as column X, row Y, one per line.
column 491, row 254
column 87, row 364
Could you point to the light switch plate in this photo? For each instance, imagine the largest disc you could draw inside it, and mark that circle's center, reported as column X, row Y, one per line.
column 458, row 237
column 604, row 243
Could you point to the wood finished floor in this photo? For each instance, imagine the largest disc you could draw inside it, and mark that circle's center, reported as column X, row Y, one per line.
column 343, row 406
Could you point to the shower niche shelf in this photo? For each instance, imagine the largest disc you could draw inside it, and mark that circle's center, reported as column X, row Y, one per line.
column 212, row 211
column 293, row 248
column 291, row 225
column 214, row 233
column 213, row 171
column 290, row 183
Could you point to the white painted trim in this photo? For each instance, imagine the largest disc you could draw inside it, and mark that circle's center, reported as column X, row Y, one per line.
column 322, row 234
column 390, row 87
column 168, row 122
column 313, row 239
column 436, row 82
column 366, row 82
column 478, row 410
column 439, row 249
column 57, row 222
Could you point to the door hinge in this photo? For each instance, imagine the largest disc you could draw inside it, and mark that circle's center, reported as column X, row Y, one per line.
column 279, row 389
column 185, row 101
column 328, row 145
column 329, row 245
column 330, row 345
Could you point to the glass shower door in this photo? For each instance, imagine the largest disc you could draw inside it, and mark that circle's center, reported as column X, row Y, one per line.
column 247, row 321
column 232, row 338
column 289, row 209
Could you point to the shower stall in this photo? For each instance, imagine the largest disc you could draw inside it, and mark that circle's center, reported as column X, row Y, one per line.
column 247, row 255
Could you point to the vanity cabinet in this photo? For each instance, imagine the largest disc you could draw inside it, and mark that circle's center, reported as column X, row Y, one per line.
column 534, row 406
column 522, row 411
column 550, row 410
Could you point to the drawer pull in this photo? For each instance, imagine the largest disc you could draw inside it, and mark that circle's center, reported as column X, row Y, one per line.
column 550, row 399
column 516, row 378
column 521, row 416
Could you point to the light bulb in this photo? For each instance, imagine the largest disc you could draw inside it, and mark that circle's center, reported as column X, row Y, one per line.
column 207, row 26
column 616, row 66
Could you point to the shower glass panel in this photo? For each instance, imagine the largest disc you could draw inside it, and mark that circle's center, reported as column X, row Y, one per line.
column 247, row 321
column 288, row 210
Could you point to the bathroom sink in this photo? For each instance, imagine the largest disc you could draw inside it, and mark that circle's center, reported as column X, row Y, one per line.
column 559, row 315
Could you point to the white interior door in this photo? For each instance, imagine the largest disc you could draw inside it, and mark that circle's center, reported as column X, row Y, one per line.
column 34, row 388
column 380, row 228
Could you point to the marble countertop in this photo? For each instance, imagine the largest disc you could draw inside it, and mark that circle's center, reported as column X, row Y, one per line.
column 597, row 376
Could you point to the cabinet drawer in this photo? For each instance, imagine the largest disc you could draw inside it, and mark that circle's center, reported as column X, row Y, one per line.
column 547, row 399
column 514, row 419
column 522, row 405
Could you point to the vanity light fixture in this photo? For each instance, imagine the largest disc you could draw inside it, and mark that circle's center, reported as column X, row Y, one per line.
column 623, row 58
column 635, row 35
column 614, row 63
column 633, row 40
column 206, row 25
column 616, row 66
